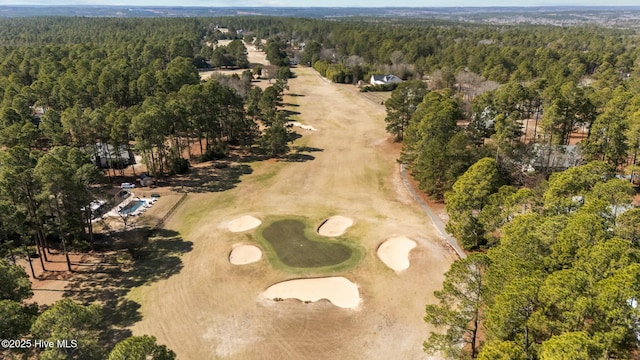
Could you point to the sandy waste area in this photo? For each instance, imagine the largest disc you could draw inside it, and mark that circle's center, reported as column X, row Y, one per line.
column 339, row 290
column 395, row 252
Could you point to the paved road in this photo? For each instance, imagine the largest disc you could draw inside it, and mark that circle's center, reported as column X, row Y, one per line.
column 434, row 218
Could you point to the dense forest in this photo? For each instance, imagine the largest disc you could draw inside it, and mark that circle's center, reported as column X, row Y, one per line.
column 482, row 113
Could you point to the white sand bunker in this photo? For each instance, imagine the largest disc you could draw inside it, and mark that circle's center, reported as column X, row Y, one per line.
column 245, row 254
column 338, row 290
column 335, row 226
column 395, row 252
column 243, row 223
column 302, row 126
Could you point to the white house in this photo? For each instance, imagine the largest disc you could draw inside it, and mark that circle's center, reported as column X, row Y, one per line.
column 384, row 79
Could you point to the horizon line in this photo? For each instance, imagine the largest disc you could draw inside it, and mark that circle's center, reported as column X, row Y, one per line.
column 327, row 7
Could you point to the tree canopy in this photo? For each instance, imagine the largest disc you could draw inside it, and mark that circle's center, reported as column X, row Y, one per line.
column 140, row 348
column 560, row 281
column 67, row 319
column 429, row 140
column 402, row 104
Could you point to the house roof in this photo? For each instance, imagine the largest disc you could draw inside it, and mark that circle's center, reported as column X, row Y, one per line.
column 108, row 150
column 383, row 79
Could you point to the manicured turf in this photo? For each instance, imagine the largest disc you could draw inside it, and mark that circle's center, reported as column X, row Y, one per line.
column 296, row 245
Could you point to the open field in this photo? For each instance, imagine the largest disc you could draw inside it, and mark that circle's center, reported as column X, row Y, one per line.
column 212, row 309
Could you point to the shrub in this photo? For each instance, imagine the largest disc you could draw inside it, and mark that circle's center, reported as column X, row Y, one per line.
column 321, row 67
column 381, row 87
column 177, row 165
column 216, row 152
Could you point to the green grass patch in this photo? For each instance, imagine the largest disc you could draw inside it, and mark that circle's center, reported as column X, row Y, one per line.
column 292, row 244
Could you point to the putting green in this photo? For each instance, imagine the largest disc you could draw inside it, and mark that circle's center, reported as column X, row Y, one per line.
column 295, row 244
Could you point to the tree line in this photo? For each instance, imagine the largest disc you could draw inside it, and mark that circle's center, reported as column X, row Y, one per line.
column 414, row 48
column 233, row 55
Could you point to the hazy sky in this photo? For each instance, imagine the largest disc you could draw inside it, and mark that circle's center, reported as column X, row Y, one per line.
column 324, row 3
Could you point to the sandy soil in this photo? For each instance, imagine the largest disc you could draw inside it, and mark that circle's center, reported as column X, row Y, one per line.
column 209, row 309
column 245, row 254
column 243, row 223
column 338, row 290
column 51, row 284
column 335, row 226
column 395, row 252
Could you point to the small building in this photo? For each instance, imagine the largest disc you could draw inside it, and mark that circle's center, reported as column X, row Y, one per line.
column 146, row 180
column 384, row 79
column 107, row 156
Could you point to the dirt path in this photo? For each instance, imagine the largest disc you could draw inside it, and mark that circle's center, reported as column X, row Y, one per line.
column 210, row 309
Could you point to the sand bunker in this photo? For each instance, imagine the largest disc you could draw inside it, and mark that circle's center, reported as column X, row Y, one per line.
column 338, row 290
column 243, row 223
column 245, row 254
column 395, row 252
column 302, row 126
column 335, row 226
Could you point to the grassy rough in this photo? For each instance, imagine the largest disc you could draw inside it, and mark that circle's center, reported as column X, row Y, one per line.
column 292, row 244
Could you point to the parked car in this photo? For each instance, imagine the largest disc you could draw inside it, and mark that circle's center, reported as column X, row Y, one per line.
column 127, row 186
